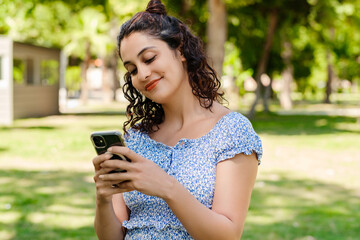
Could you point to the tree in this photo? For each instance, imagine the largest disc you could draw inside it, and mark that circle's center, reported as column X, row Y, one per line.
column 116, row 15
column 216, row 34
column 56, row 24
column 255, row 28
column 88, row 35
column 40, row 24
column 332, row 22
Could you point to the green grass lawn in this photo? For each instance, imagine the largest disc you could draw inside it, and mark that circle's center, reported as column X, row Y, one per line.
column 307, row 186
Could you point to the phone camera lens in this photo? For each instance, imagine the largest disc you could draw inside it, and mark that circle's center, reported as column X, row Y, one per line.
column 99, row 141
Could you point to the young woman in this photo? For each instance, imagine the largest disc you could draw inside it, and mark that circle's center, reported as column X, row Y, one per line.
column 193, row 161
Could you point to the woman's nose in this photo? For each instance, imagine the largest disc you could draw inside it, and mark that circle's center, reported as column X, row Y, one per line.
column 143, row 72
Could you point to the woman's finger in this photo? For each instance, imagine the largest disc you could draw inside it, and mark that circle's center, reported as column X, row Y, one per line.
column 114, row 163
column 107, row 189
column 119, row 177
column 134, row 157
column 112, row 187
column 100, row 158
column 103, row 171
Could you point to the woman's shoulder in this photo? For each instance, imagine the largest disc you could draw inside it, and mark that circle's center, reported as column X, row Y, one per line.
column 235, row 134
column 229, row 115
column 235, row 121
column 228, row 121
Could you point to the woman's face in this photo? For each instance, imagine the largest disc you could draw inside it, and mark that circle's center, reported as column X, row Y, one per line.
column 156, row 70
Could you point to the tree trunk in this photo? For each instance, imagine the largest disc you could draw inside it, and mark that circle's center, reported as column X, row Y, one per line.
column 216, row 33
column 84, row 84
column 267, row 95
column 106, row 82
column 330, row 74
column 287, row 76
column 262, row 65
column 330, row 71
column 185, row 7
column 114, row 74
column 113, row 58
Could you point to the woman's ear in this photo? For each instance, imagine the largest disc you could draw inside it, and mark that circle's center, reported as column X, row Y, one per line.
column 180, row 52
column 182, row 57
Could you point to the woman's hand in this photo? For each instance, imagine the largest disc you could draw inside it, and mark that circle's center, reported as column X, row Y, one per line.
column 104, row 189
column 141, row 174
column 109, row 215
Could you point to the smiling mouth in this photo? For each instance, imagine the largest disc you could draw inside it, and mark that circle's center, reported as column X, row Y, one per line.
column 151, row 85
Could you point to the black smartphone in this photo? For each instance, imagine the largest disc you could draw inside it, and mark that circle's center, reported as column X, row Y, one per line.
column 105, row 139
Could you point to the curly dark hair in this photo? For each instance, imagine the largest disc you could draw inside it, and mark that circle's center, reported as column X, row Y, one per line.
column 203, row 79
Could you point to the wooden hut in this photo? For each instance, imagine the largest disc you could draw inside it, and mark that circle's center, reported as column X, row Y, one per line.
column 30, row 78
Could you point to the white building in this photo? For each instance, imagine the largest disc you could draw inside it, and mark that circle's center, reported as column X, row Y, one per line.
column 30, row 79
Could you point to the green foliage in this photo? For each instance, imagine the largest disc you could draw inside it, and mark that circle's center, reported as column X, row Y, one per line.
column 194, row 13
column 248, row 27
column 77, row 5
column 18, row 71
column 73, row 78
column 312, row 28
column 49, row 72
column 335, row 24
column 89, row 26
column 233, row 67
column 4, row 28
column 237, row 4
column 126, row 8
column 37, row 23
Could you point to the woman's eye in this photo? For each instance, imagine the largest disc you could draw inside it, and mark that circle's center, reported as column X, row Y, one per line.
column 150, row 60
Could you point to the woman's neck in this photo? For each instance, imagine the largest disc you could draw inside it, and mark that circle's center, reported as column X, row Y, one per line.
column 183, row 110
column 189, row 121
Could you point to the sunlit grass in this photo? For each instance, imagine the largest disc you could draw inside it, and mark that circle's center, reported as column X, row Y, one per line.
column 47, row 204
column 54, row 139
column 307, row 186
column 296, row 208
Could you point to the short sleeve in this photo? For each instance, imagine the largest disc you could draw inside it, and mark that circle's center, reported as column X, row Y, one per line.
column 237, row 136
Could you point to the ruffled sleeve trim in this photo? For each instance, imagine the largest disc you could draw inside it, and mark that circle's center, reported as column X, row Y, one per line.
column 238, row 136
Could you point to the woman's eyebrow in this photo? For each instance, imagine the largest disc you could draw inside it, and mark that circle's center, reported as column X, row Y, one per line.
column 142, row 50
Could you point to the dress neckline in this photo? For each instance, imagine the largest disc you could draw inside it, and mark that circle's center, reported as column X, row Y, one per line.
column 182, row 140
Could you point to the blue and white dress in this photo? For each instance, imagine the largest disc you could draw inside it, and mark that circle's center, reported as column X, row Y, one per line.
column 193, row 163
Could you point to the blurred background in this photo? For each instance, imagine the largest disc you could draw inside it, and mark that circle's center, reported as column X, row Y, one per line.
column 292, row 67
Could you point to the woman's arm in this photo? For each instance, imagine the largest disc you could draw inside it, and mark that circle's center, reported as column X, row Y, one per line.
column 122, row 212
column 235, row 179
column 107, row 226
column 234, row 182
column 111, row 210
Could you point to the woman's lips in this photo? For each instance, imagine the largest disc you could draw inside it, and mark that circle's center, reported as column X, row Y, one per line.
column 151, row 85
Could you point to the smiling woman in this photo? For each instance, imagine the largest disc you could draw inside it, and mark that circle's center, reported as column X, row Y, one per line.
column 157, row 71
column 193, row 161
column 156, row 24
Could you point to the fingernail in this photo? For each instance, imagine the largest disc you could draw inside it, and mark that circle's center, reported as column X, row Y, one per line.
column 109, row 149
column 101, row 176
